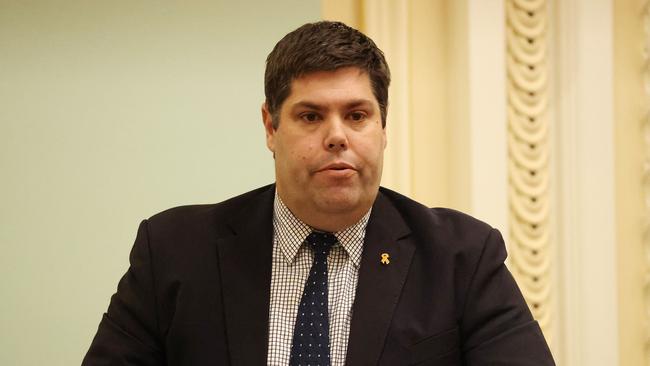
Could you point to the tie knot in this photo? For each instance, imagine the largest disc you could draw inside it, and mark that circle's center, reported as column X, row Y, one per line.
column 321, row 240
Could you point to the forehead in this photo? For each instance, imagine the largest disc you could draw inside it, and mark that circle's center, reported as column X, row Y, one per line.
column 330, row 86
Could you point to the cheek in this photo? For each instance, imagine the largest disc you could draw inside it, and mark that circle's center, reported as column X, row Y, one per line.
column 301, row 155
column 304, row 155
column 374, row 158
column 373, row 150
column 303, row 151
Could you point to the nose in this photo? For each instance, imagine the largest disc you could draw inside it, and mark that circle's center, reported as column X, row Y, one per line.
column 336, row 138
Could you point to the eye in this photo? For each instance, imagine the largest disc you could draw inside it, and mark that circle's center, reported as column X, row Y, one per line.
column 310, row 117
column 357, row 116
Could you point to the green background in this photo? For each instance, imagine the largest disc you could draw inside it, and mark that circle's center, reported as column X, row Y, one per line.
column 110, row 112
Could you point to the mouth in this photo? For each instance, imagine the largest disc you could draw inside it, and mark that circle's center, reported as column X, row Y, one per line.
column 340, row 166
column 337, row 171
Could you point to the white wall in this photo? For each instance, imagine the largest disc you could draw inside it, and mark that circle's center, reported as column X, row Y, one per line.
column 110, row 112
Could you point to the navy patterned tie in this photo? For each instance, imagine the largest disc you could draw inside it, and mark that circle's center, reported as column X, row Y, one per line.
column 311, row 333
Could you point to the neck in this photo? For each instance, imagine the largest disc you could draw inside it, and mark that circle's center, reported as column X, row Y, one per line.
column 329, row 221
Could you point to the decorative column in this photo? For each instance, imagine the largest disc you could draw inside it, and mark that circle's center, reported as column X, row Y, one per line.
column 528, row 156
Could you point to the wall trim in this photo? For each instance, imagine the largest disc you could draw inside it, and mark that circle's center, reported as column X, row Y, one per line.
column 584, row 179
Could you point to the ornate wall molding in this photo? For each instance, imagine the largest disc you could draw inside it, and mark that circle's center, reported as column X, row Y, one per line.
column 528, row 156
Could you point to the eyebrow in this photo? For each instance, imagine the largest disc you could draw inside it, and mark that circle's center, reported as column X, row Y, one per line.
column 315, row 106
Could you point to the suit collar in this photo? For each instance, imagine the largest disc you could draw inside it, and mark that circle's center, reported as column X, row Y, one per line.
column 246, row 293
column 245, row 264
column 380, row 284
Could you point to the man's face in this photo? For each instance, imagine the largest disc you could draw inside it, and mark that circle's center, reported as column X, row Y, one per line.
column 329, row 144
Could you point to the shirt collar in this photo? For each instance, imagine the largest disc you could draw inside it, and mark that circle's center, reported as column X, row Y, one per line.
column 291, row 232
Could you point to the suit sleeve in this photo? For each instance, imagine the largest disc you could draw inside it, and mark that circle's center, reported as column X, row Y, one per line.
column 497, row 326
column 128, row 333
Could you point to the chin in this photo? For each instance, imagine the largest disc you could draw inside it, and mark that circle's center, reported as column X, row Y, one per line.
column 340, row 202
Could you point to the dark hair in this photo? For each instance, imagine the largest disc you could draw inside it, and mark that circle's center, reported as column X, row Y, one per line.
column 323, row 46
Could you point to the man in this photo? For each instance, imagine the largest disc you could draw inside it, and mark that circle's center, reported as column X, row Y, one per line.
column 324, row 267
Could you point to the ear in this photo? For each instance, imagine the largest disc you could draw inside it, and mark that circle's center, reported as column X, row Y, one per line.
column 383, row 132
column 267, row 120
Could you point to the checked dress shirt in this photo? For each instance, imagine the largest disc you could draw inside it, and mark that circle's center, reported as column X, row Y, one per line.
column 292, row 260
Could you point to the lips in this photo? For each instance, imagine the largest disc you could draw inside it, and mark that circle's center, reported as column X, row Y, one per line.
column 337, row 166
column 337, row 171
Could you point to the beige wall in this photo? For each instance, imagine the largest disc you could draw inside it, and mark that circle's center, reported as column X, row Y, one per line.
column 420, row 52
column 446, row 129
column 630, row 106
column 109, row 112
column 597, row 151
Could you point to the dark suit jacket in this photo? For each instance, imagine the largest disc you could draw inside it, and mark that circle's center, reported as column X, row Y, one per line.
column 197, row 291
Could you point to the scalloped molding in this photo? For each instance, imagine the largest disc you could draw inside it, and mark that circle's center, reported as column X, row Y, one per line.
column 528, row 157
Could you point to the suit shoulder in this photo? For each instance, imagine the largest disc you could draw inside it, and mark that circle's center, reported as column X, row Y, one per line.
column 443, row 231
column 441, row 218
column 207, row 214
column 447, row 239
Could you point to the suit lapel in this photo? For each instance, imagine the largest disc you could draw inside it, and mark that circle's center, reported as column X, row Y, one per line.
column 245, row 266
column 380, row 284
